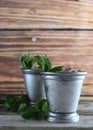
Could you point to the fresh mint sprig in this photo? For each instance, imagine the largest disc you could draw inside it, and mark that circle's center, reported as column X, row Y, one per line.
column 20, row 105
column 45, row 64
column 15, row 103
column 27, row 61
column 38, row 111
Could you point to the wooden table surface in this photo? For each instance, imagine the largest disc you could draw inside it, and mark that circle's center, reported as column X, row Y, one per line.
column 9, row 121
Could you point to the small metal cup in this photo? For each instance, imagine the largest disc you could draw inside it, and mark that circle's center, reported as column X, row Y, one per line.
column 34, row 85
column 63, row 92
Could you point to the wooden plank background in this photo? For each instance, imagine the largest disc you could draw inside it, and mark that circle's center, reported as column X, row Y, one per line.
column 62, row 29
column 58, row 14
column 69, row 48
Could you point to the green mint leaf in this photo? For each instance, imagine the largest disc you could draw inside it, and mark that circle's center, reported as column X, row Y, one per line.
column 45, row 107
column 22, row 107
column 7, row 106
column 24, row 65
column 30, row 113
column 44, row 63
column 39, row 111
column 56, row 69
column 48, row 64
column 37, row 59
column 42, row 107
column 26, row 60
column 27, row 114
column 23, row 99
column 2, row 101
column 10, row 103
column 27, row 57
column 39, row 104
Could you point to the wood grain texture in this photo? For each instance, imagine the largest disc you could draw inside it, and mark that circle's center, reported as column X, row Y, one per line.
column 46, row 14
column 87, row 1
column 85, row 98
column 69, row 48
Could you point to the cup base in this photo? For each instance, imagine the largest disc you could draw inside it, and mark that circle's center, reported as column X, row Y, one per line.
column 63, row 117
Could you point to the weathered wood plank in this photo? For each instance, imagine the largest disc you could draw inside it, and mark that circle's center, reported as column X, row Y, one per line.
column 87, row 90
column 43, row 14
column 86, row 1
column 12, row 87
column 85, row 98
column 69, row 48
